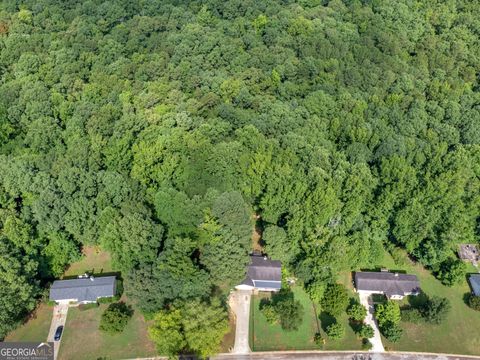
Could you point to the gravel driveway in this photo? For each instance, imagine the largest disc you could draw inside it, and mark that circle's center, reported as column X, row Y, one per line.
column 240, row 305
column 59, row 318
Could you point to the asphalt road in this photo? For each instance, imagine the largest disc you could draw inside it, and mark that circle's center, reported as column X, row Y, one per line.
column 326, row 355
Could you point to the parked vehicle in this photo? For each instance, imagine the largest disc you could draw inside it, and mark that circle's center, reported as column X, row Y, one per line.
column 58, row 333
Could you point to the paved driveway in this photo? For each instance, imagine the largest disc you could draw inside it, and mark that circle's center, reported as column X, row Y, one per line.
column 59, row 318
column 240, row 304
column 376, row 340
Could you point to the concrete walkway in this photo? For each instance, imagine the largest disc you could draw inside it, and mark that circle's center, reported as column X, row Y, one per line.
column 240, row 304
column 376, row 340
column 59, row 318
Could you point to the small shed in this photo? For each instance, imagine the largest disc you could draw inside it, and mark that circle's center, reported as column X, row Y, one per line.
column 474, row 280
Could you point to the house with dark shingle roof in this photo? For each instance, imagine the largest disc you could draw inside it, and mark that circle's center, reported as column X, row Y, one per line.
column 83, row 290
column 474, row 280
column 263, row 274
column 392, row 285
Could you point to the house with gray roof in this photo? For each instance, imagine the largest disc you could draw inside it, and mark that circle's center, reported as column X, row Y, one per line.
column 83, row 290
column 263, row 274
column 474, row 280
column 392, row 285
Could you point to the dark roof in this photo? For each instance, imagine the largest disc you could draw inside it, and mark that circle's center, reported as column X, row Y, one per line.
column 387, row 282
column 475, row 283
column 263, row 271
column 86, row 289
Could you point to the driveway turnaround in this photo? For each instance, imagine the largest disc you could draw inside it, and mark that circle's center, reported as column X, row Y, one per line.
column 59, row 318
column 240, row 305
column 376, row 340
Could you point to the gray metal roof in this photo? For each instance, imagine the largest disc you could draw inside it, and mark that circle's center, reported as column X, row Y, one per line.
column 387, row 282
column 262, row 269
column 475, row 283
column 86, row 289
column 268, row 284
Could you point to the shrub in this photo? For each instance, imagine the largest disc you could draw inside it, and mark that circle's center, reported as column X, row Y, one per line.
column 51, row 303
column 474, row 302
column 108, row 300
column 366, row 331
column 269, row 312
column 388, row 313
column 436, row 310
column 366, row 344
column 411, row 315
column 83, row 307
column 451, row 271
column 335, row 331
column 357, row 311
column 118, row 289
column 335, row 299
column 392, row 332
column 283, row 308
column 317, row 339
column 115, row 317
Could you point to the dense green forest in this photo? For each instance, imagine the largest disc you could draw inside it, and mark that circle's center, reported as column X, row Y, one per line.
column 157, row 129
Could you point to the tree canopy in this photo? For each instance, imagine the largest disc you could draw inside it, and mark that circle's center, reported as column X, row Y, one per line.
column 156, row 129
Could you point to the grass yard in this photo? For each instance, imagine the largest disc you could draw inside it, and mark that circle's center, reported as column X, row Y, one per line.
column 36, row 328
column 265, row 337
column 94, row 261
column 83, row 340
column 459, row 334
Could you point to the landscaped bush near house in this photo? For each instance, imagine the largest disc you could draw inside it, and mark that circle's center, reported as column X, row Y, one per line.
column 411, row 315
column 83, row 307
column 356, row 311
column 366, row 331
column 108, row 299
column 474, row 302
column 335, row 331
column 115, row 317
column 387, row 313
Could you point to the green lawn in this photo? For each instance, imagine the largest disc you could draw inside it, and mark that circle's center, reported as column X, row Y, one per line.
column 36, row 328
column 83, row 340
column 458, row 334
column 94, row 261
column 265, row 337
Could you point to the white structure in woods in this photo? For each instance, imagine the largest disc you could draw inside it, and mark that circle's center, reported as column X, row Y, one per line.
column 263, row 274
column 393, row 285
